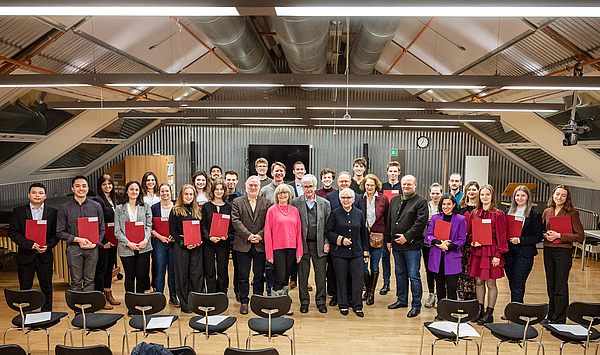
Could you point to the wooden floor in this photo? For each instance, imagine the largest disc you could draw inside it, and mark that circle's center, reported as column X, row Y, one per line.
column 381, row 331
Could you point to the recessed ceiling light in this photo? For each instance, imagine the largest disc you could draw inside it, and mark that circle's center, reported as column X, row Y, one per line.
column 391, row 86
column 562, row 88
column 369, row 108
column 447, row 120
column 495, row 109
column 350, row 125
column 118, row 11
column 352, row 119
column 427, row 127
column 259, row 118
column 272, row 125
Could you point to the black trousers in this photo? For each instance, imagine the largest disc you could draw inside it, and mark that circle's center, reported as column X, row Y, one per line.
column 354, row 269
column 443, row 281
column 26, row 272
column 283, row 262
column 217, row 279
column 557, row 262
column 430, row 274
column 517, row 269
column 256, row 260
column 319, row 265
column 331, row 279
column 137, row 271
column 106, row 260
column 189, row 272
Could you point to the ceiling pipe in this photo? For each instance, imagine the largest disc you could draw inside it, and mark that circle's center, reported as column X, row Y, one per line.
column 370, row 41
column 410, row 45
column 236, row 38
column 304, row 42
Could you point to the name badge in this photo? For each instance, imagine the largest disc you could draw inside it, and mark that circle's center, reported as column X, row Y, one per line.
column 195, row 222
column 486, row 220
column 519, row 218
column 92, row 219
column 395, row 191
column 226, row 216
column 42, row 221
column 139, row 223
column 164, row 219
column 110, row 224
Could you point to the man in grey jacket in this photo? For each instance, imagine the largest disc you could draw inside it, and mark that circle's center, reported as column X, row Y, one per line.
column 314, row 212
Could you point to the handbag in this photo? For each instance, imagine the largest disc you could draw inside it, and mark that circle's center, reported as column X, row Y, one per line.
column 376, row 240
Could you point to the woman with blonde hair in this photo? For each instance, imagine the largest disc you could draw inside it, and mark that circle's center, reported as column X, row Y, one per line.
column 188, row 258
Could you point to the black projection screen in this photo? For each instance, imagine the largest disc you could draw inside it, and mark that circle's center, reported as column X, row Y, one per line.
column 287, row 154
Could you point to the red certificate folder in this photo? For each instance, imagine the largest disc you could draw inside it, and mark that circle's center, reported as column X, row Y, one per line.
column 391, row 193
column 441, row 230
column 87, row 227
column 161, row 225
column 482, row 231
column 134, row 231
column 514, row 225
column 109, row 233
column 191, row 233
column 219, row 225
column 36, row 231
column 562, row 225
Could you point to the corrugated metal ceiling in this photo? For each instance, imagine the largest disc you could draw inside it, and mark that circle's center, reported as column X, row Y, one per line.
column 543, row 161
column 496, row 131
column 17, row 33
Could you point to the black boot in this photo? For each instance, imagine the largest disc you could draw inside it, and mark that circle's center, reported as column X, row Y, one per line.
column 385, row 289
column 479, row 314
column 488, row 317
column 371, row 298
column 367, row 285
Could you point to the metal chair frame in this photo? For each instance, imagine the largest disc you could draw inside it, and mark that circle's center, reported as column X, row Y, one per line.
column 270, row 336
column 585, row 345
column 206, row 311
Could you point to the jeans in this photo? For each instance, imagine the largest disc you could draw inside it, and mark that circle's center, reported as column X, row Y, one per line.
column 386, row 265
column 408, row 264
column 376, row 255
column 269, row 276
column 164, row 260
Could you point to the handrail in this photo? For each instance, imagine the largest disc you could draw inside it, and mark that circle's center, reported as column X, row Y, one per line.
column 593, row 213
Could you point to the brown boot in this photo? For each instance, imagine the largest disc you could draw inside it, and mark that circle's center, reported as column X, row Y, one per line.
column 107, row 305
column 110, row 298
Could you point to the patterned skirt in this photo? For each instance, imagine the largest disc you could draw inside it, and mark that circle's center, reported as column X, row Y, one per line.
column 466, row 283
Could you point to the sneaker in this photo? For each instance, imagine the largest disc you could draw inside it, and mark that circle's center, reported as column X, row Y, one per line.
column 174, row 301
column 430, row 302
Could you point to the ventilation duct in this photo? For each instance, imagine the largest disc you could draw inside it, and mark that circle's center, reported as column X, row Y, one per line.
column 304, row 41
column 235, row 37
column 370, row 41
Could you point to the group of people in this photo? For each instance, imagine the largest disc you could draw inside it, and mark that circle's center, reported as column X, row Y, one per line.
column 277, row 230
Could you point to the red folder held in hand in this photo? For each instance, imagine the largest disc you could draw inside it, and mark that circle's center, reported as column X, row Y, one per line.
column 161, row 225
column 482, row 231
column 36, row 231
column 219, row 225
column 191, row 233
column 514, row 225
column 87, row 228
column 134, row 231
column 562, row 225
column 441, row 230
column 391, row 193
column 109, row 233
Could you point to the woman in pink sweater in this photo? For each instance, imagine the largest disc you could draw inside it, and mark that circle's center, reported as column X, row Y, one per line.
column 283, row 236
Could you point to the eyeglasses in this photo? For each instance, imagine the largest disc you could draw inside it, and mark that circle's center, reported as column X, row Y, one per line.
column 308, row 186
column 346, row 197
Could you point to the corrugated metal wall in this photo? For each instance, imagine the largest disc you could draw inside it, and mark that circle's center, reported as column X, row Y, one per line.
column 17, row 193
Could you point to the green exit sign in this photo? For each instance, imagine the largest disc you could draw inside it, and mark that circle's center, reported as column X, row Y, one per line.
column 394, row 152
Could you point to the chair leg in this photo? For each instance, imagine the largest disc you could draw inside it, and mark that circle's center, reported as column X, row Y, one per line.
column 28, row 351
column 107, row 337
column 167, row 335
column 561, row 347
column 48, row 340
column 228, row 339
column 466, row 348
column 6, row 331
column 498, row 347
column 540, row 341
column 422, row 335
column 476, row 344
column 248, row 344
column 237, row 334
column 539, row 345
column 185, row 339
column 433, row 345
column 179, row 326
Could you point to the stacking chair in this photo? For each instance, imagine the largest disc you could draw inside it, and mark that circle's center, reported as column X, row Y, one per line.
column 26, row 302
column 84, row 304
column 584, row 314
column 206, row 305
column 272, row 323
column 142, row 306
column 268, row 351
column 182, row 350
column 520, row 331
column 453, row 311
column 85, row 350
column 12, row 349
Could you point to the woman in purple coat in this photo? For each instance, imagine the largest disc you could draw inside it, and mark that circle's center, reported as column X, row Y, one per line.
column 445, row 256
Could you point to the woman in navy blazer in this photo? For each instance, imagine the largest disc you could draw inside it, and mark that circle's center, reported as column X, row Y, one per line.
column 522, row 249
column 445, row 256
column 376, row 213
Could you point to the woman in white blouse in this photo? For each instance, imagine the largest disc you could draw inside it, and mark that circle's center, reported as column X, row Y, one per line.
column 201, row 182
column 149, row 188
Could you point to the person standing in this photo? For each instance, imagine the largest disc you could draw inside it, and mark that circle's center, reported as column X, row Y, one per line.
column 261, row 165
column 215, row 248
column 466, row 283
column 435, row 192
column 314, row 213
column 278, row 173
column 135, row 256
column 486, row 263
column 359, row 165
column 215, row 172
column 393, row 172
column 187, row 258
column 201, row 183
column 107, row 255
column 33, row 258
column 299, row 170
column 248, row 215
column 347, row 229
column 444, row 258
column 558, row 248
column 327, row 178
column 377, row 207
column 455, row 184
column 163, row 247
column 149, row 188
column 231, row 181
column 407, row 219
column 82, row 254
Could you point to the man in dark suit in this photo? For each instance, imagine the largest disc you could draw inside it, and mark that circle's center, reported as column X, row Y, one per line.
column 248, row 215
column 299, row 170
column 314, row 212
column 33, row 258
column 407, row 218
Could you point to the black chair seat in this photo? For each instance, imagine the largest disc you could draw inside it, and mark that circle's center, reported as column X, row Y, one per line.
column 440, row 334
column 55, row 318
column 182, row 350
column 278, row 325
column 566, row 336
column 12, row 349
column 96, row 320
column 510, row 331
column 219, row 328
column 137, row 322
